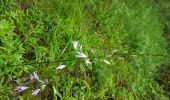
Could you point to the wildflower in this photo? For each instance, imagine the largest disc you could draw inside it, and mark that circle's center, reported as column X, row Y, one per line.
column 43, row 86
column 87, row 62
column 21, row 88
column 31, row 77
column 60, row 67
column 34, row 75
column 81, row 55
column 75, row 43
column 35, row 92
column 107, row 62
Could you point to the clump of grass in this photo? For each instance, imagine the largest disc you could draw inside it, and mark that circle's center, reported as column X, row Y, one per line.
column 117, row 40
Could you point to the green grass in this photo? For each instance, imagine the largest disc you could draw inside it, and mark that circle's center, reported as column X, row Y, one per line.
column 37, row 35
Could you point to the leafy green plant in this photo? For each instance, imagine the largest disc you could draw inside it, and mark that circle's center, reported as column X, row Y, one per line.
column 116, row 55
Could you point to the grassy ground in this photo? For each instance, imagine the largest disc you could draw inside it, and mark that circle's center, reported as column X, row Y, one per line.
column 164, row 71
column 37, row 35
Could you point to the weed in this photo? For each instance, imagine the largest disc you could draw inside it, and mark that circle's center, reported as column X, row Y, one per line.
column 94, row 49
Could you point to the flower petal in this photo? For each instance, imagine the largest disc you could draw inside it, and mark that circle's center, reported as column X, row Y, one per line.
column 31, row 77
column 81, row 55
column 35, row 92
column 36, row 76
column 43, row 86
column 60, row 67
column 21, row 88
column 75, row 43
column 87, row 62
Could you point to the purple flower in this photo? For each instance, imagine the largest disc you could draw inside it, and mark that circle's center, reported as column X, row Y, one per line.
column 81, row 55
column 34, row 75
column 35, row 92
column 31, row 77
column 21, row 88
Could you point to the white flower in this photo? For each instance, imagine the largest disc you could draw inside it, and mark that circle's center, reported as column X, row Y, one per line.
column 107, row 62
column 75, row 43
column 43, row 86
column 34, row 75
column 21, row 88
column 81, row 55
column 60, row 67
column 87, row 62
column 35, row 92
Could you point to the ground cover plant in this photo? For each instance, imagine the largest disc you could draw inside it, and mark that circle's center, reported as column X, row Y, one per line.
column 163, row 78
column 81, row 49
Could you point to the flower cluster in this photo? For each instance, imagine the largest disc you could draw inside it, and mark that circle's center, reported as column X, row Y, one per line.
column 35, row 77
column 21, row 88
column 79, row 54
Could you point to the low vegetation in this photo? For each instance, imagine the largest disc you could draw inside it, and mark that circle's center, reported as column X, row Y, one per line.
column 81, row 49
